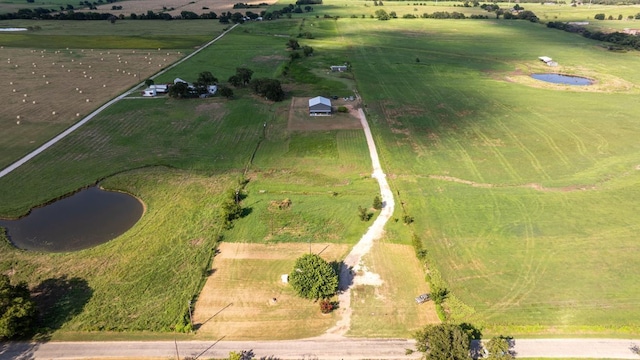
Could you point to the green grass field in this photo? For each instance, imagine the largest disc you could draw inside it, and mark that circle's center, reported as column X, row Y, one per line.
column 524, row 194
column 525, row 197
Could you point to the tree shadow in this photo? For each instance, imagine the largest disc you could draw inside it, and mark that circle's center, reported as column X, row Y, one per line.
column 58, row 301
column 18, row 350
column 246, row 212
column 345, row 275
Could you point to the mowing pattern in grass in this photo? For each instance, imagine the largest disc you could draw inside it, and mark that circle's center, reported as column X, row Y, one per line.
column 526, row 197
column 142, row 280
column 194, row 135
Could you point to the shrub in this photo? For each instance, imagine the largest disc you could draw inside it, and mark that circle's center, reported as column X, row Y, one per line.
column 342, row 109
column 326, row 306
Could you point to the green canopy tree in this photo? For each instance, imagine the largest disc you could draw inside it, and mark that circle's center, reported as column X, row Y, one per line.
column 443, row 342
column 498, row 349
column 312, row 277
column 17, row 310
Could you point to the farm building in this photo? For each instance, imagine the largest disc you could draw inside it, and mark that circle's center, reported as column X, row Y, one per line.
column 339, row 68
column 319, row 106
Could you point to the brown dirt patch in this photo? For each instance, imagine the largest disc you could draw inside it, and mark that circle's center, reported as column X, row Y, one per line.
column 237, row 300
column 534, row 186
column 299, row 119
column 268, row 58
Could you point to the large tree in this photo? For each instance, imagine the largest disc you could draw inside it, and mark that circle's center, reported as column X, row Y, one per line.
column 443, row 342
column 312, row 277
column 269, row 88
column 17, row 310
column 244, row 74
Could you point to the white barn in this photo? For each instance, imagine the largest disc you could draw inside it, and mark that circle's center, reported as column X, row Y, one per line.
column 319, row 106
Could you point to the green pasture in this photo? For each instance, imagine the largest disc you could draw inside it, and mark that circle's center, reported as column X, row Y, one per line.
column 124, row 34
column 142, row 280
column 179, row 157
column 463, row 146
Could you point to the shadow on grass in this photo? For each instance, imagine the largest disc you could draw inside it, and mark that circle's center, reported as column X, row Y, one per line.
column 199, row 325
column 58, row 301
column 345, row 275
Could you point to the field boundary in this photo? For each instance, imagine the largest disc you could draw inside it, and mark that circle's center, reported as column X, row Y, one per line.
column 9, row 169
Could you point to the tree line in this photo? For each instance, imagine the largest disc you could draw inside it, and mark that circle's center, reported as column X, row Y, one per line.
column 69, row 13
column 621, row 40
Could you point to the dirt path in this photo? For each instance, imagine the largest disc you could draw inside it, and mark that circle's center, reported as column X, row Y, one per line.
column 86, row 119
column 353, row 271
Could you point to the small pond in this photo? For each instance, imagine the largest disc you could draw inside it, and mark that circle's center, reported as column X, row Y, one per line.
column 563, row 79
column 85, row 219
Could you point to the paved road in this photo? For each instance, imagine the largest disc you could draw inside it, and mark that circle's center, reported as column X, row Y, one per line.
column 86, row 119
column 330, row 349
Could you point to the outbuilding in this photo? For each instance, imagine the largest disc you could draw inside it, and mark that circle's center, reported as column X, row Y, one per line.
column 319, row 106
column 149, row 92
column 339, row 68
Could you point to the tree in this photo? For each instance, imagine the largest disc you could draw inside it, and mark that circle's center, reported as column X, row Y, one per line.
column 205, row 79
column 149, row 82
column 244, row 74
column 226, row 92
column 293, row 44
column 179, row 90
column 599, row 16
column 269, row 88
column 498, row 348
column 17, row 311
column 235, row 80
column 382, row 15
column 312, row 277
column 307, row 50
column 377, row 203
column 443, row 342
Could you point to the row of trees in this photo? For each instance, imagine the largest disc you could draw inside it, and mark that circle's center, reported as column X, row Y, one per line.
column 621, row 40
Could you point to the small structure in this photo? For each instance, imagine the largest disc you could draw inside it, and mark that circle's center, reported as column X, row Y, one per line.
column 160, row 89
column 319, row 106
column 211, row 89
column 339, row 68
column 284, row 278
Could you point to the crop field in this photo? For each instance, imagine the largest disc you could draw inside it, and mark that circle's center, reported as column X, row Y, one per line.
column 245, row 294
column 524, row 196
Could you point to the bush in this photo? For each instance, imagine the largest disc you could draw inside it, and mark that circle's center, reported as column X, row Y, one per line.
column 377, row 203
column 326, row 306
column 342, row 109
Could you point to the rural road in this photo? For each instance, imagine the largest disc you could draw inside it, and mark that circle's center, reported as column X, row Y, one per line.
column 87, row 118
column 302, row 349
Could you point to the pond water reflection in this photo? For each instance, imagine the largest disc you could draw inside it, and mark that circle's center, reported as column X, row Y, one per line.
column 562, row 79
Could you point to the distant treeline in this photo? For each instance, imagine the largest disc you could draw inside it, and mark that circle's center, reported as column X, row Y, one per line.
column 621, row 39
column 249, row 6
column 224, row 17
column 561, row 2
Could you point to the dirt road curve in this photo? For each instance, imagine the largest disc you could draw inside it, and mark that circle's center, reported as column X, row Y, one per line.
column 303, row 349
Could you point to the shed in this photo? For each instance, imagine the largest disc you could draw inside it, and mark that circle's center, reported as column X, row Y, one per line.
column 160, row 88
column 340, row 68
column 319, row 106
column 545, row 59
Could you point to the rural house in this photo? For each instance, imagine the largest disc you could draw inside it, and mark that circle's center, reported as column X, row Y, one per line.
column 319, row 106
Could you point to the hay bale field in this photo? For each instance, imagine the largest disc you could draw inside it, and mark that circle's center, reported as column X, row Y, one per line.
column 237, row 300
column 45, row 91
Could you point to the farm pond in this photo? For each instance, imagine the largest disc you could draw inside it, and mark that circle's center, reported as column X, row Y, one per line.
column 562, row 79
column 85, row 219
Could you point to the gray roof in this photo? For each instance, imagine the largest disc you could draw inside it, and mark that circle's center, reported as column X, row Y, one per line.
column 319, row 100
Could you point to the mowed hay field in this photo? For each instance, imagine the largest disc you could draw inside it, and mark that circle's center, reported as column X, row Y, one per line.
column 245, row 299
column 525, row 197
column 45, row 91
